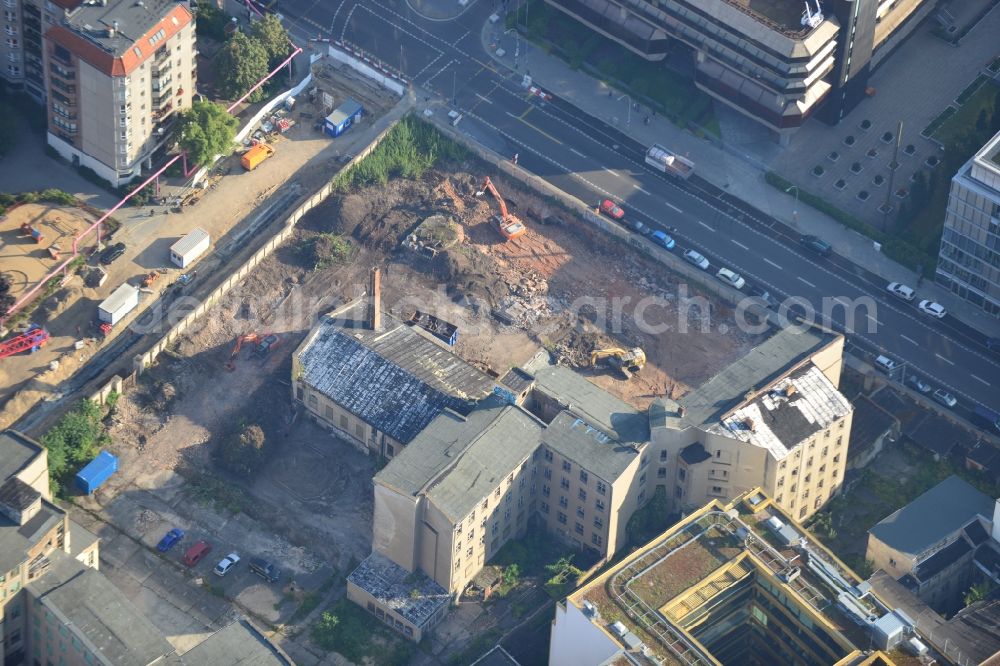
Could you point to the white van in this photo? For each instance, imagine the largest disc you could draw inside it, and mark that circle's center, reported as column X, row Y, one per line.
column 885, row 364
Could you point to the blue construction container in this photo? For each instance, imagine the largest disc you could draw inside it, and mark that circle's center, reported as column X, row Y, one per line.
column 343, row 117
column 96, row 472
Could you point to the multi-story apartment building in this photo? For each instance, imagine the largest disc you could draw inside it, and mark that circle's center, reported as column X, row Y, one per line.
column 55, row 605
column 464, row 476
column 775, row 62
column 115, row 75
column 969, row 259
column 772, row 419
column 739, row 582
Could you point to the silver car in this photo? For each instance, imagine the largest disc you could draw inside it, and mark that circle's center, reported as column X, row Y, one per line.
column 945, row 398
column 697, row 259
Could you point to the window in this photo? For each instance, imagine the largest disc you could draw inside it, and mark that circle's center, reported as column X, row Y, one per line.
column 836, row 458
column 717, row 489
column 584, row 477
column 545, row 490
column 681, row 473
column 579, row 512
column 599, row 504
column 564, row 483
column 312, row 398
column 578, row 528
column 548, row 455
column 458, row 563
column 547, row 473
column 563, row 502
column 718, row 453
column 469, row 552
column 601, row 488
column 561, row 517
column 544, row 507
column 496, row 493
column 510, row 479
column 840, row 440
column 506, row 513
column 458, row 547
column 598, row 523
column 663, row 456
column 642, row 479
column 802, row 512
column 596, row 539
column 661, row 473
column 582, row 494
column 567, row 466
column 825, row 450
column 486, row 503
column 359, row 430
column 642, row 495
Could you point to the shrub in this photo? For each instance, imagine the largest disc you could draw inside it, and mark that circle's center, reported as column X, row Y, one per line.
column 243, row 451
column 818, row 170
column 73, row 442
column 329, row 249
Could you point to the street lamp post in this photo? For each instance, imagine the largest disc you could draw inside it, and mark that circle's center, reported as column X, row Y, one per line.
column 628, row 118
column 795, row 210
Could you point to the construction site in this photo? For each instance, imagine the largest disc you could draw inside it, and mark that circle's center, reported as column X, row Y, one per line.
column 449, row 268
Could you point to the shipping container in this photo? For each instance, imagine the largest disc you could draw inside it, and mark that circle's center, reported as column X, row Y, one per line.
column 187, row 249
column 343, row 117
column 253, row 157
column 122, row 300
column 96, row 472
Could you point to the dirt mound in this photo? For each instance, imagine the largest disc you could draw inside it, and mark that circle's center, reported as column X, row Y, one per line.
column 472, row 275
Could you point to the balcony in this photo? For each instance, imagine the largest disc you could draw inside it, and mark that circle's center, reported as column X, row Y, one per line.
column 10, row 4
column 161, row 69
column 161, row 55
column 161, row 84
column 160, row 100
column 10, row 31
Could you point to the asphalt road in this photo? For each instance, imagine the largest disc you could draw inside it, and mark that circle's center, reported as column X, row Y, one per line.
column 592, row 160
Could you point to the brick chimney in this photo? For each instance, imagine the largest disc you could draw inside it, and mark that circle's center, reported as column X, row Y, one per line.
column 375, row 299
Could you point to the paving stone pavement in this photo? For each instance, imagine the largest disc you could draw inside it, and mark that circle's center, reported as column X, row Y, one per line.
column 737, row 163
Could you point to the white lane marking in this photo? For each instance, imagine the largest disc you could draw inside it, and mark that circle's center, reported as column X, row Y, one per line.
column 944, row 359
column 771, row 262
column 876, row 321
column 978, row 379
column 705, row 225
column 613, row 173
column 576, row 152
column 910, row 340
column 484, row 98
column 802, row 279
column 639, row 187
column 736, row 242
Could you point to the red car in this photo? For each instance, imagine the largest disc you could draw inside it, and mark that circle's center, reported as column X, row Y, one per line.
column 196, row 553
column 612, row 210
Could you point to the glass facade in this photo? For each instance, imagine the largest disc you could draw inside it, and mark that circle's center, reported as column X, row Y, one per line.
column 969, row 258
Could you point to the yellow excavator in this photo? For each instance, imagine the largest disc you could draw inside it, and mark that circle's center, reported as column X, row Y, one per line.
column 625, row 361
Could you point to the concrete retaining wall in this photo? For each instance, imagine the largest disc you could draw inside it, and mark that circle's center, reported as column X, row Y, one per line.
column 359, row 62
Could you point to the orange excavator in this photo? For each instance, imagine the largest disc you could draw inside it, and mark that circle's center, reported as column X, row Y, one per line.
column 510, row 225
column 246, row 338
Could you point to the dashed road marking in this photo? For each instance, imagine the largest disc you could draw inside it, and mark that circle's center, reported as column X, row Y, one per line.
column 771, row 262
column 910, row 340
column 980, row 380
column 805, row 281
column 736, row 242
column 484, row 98
column 577, row 152
column 639, row 187
column 705, row 225
column 613, row 173
column 944, row 359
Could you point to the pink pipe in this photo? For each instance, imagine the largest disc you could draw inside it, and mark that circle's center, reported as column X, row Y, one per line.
column 297, row 51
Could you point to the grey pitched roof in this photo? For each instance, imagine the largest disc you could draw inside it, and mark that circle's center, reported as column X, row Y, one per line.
column 588, row 401
column 237, row 644
column 99, row 612
column 16, row 451
column 870, row 421
column 393, row 379
column 932, row 517
column 589, row 445
column 755, row 370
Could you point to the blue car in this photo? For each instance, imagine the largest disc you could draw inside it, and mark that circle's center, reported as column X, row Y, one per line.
column 664, row 240
column 170, row 540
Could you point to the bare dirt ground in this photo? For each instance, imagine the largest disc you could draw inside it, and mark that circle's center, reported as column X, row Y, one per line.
column 27, row 262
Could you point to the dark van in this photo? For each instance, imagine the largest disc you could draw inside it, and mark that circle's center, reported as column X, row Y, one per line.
column 987, row 419
column 265, row 569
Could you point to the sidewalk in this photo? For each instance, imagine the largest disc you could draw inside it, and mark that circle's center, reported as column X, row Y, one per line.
column 737, row 172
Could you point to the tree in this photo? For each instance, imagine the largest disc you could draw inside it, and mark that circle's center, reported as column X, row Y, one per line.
column 977, row 592
column 243, row 451
column 272, row 36
column 74, row 440
column 239, row 65
column 206, row 130
column 7, row 299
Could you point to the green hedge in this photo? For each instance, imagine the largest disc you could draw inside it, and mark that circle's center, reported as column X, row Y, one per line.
column 895, row 248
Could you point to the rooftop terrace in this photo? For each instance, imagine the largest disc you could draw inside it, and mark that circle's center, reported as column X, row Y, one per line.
column 656, row 588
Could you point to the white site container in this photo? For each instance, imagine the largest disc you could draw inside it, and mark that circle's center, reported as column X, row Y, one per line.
column 122, row 300
column 186, row 250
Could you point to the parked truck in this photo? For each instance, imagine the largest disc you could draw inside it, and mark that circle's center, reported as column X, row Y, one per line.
column 253, row 157
column 96, row 472
column 669, row 162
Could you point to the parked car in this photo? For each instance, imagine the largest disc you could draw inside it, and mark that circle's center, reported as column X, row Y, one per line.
column 112, row 252
column 986, row 418
column 817, row 245
column 170, row 539
column 764, row 295
column 945, row 398
column 919, row 385
column 885, row 364
column 931, row 308
column 196, row 553
column 900, row 290
column 731, row 278
column 638, row 227
column 265, row 569
column 696, row 259
column 663, row 239
column 226, row 564
column 612, row 210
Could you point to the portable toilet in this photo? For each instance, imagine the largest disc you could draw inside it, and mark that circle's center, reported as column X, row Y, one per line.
column 343, row 117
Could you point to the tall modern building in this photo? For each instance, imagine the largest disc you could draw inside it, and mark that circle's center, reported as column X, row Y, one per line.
column 112, row 73
column 969, row 260
column 777, row 61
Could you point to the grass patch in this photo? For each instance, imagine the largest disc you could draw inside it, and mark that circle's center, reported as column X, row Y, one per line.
column 328, row 249
column 308, row 605
column 73, row 442
column 670, row 93
column 212, row 491
column 347, row 629
column 971, row 89
column 938, row 121
column 959, row 121
column 409, row 150
column 540, row 556
column 895, row 248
